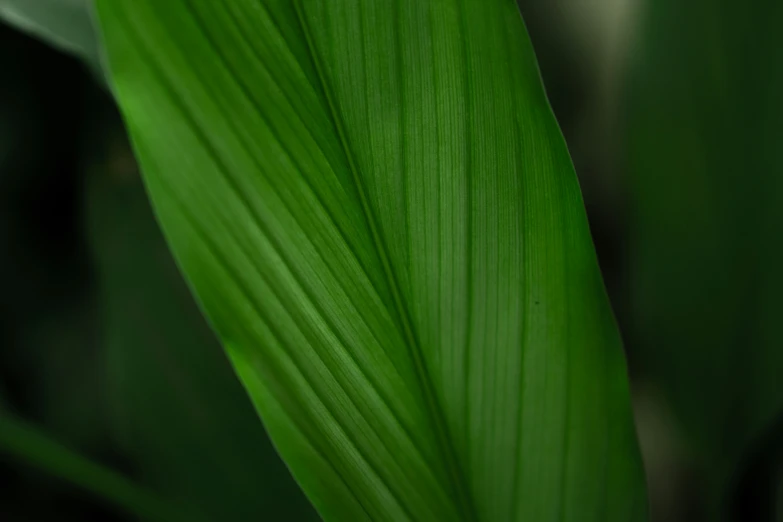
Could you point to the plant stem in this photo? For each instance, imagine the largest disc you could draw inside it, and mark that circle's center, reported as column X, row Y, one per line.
column 30, row 446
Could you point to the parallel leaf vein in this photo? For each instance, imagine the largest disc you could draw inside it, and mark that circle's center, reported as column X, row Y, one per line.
column 205, row 142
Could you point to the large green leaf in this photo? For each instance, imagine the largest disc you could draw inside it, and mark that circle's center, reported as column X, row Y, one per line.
column 378, row 213
column 706, row 122
column 180, row 412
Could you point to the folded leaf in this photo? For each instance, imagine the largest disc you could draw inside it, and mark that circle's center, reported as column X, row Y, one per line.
column 377, row 211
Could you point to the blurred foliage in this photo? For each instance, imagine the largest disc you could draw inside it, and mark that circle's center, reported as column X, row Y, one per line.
column 705, row 126
column 48, row 352
column 44, row 268
column 66, row 24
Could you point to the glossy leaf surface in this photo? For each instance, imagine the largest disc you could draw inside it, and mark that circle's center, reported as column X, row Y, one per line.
column 377, row 211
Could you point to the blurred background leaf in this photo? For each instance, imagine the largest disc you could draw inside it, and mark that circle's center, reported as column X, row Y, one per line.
column 705, row 128
column 66, row 24
column 51, row 353
column 48, row 337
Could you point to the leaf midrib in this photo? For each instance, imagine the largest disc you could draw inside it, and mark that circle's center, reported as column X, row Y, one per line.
column 445, row 443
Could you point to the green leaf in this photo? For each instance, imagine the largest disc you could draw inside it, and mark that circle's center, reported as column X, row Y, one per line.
column 706, row 120
column 377, row 211
column 65, row 24
column 181, row 414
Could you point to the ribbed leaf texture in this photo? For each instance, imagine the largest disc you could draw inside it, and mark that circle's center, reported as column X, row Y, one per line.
column 378, row 213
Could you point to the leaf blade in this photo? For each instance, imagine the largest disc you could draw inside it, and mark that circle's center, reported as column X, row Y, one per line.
column 328, row 297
